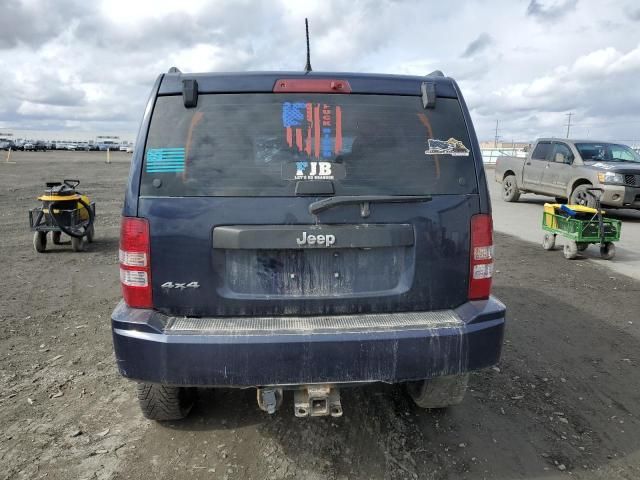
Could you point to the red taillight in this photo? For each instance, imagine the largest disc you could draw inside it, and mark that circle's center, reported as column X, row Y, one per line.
column 311, row 85
column 481, row 270
column 135, row 274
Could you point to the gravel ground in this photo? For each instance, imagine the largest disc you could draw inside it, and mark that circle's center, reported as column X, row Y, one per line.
column 563, row 401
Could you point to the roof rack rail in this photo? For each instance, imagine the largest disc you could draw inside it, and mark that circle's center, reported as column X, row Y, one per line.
column 436, row 73
column 174, row 70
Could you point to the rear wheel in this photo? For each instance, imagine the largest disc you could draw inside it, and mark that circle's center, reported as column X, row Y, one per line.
column 40, row 241
column 510, row 192
column 608, row 251
column 582, row 246
column 77, row 244
column 162, row 403
column 581, row 196
column 548, row 241
column 55, row 236
column 439, row 392
column 91, row 234
column 570, row 250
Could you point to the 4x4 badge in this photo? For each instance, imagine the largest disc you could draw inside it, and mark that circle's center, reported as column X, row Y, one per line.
column 180, row 286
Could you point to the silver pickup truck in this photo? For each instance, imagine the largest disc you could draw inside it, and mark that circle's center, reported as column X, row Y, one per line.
column 565, row 169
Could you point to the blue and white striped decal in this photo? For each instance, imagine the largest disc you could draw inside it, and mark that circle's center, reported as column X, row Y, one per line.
column 165, row 160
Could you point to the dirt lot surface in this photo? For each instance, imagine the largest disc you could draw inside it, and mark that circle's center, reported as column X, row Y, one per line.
column 564, row 401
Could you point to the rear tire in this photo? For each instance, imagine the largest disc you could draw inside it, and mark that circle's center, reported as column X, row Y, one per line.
column 548, row 241
column 582, row 246
column 510, row 192
column 163, row 403
column 40, row 241
column 570, row 250
column 608, row 251
column 77, row 244
column 91, row 234
column 581, row 196
column 439, row 392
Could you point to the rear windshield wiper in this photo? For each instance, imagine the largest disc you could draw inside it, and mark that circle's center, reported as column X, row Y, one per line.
column 365, row 200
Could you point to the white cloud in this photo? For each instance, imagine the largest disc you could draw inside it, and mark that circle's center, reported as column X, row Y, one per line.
column 91, row 64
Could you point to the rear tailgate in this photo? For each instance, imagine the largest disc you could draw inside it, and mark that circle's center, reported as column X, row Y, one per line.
column 231, row 231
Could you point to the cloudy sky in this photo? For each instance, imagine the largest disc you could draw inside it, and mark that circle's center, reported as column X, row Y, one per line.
column 79, row 65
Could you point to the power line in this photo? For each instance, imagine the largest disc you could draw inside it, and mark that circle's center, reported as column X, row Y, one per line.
column 568, row 122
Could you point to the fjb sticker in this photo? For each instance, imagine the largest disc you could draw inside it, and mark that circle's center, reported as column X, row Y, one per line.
column 447, row 147
column 313, row 128
column 313, row 171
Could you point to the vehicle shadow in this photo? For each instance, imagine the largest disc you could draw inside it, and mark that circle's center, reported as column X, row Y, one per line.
column 221, row 409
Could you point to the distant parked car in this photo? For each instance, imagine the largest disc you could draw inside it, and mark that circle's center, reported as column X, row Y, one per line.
column 28, row 146
column 40, row 146
column 70, row 146
column 130, row 149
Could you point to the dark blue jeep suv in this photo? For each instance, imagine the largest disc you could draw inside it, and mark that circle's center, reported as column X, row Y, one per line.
column 305, row 232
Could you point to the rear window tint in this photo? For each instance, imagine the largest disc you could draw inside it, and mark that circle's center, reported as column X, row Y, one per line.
column 264, row 144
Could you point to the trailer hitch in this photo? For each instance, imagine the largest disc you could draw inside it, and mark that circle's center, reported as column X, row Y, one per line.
column 317, row 401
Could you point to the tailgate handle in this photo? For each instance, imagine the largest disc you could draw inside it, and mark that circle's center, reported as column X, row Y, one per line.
column 286, row 237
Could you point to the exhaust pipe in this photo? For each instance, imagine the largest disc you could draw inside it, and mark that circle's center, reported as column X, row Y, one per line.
column 269, row 399
column 317, row 401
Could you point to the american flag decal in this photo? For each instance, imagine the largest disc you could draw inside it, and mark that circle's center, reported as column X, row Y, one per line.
column 313, row 128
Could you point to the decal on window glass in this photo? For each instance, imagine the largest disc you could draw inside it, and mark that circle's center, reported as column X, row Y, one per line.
column 447, row 147
column 305, row 170
column 165, row 160
column 313, row 128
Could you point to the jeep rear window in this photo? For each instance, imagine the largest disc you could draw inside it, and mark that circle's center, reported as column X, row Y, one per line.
column 264, row 144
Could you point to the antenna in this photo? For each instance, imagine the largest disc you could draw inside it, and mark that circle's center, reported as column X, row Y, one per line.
column 307, row 67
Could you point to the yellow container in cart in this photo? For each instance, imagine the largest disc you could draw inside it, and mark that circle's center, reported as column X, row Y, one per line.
column 549, row 220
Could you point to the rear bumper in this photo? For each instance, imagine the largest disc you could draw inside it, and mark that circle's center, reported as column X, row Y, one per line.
column 243, row 352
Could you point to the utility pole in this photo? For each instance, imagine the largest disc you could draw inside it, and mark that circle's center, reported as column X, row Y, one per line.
column 568, row 122
column 495, row 140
